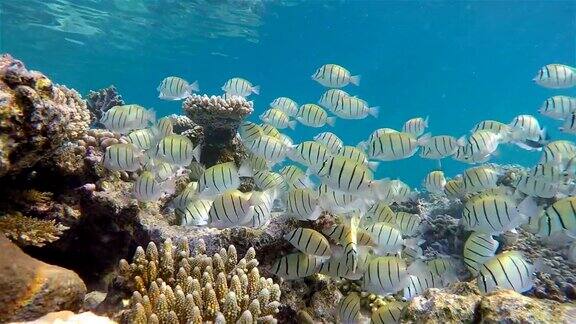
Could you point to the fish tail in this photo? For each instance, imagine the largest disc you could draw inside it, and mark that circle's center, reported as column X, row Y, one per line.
column 355, row 80
column 256, row 89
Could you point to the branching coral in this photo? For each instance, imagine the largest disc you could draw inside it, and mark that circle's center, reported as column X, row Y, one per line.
column 100, row 101
column 173, row 286
column 220, row 119
column 28, row 231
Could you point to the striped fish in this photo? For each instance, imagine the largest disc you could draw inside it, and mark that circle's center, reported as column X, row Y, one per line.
column 146, row 188
column 340, row 233
column 526, row 127
column 379, row 212
column 313, row 115
column 175, row 88
column 412, row 252
column 219, row 178
column 336, row 267
column 143, row 139
column 332, row 142
column 263, row 203
column 415, row 126
column 454, row 188
column 278, row 119
column 507, row 270
column 296, row 265
column 356, row 154
column 165, row 126
column 390, row 191
column 286, row 105
column 441, row 146
column 556, row 76
column 232, row 208
column 349, row 309
column 407, row 223
column 480, row 178
column 480, row 145
column 558, row 107
column 479, row 247
column 266, row 180
column 493, row 126
column 385, row 275
column 390, row 313
column 295, row 177
column 346, row 175
column 256, row 163
column 331, row 98
column 177, row 150
column 388, row 238
column 309, row 241
column 395, row 146
column 559, row 152
column 270, row 130
column 558, row 219
column 271, row 149
column 354, row 108
column 240, row 87
column 492, row 214
column 310, row 153
column 334, row 76
column 286, row 140
column 122, row 119
column 122, row 157
column 435, row 182
column 537, row 187
column 337, row 201
column 162, row 170
column 569, row 126
column 303, row 204
column 418, row 283
column 550, row 172
column 441, row 266
column 187, row 195
column 195, row 170
column 250, row 131
column 195, row 213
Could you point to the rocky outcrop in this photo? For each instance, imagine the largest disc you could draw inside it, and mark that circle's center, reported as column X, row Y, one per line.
column 30, row 288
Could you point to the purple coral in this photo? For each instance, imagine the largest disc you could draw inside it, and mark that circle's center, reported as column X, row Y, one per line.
column 100, row 101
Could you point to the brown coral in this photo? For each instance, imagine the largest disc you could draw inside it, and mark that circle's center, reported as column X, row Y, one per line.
column 28, row 231
column 173, row 286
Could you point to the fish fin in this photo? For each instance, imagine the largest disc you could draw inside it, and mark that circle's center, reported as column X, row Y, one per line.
column 194, row 87
column 331, row 121
column 245, row 170
column 426, row 121
column 292, row 124
column 248, row 216
column 362, row 145
column 197, row 152
column 372, row 165
column 417, row 267
column 424, row 139
column 151, row 116
column 355, row 79
column 529, row 208
column 256, row 89
column 374, row 111
column 315, row 213
column 461, row 141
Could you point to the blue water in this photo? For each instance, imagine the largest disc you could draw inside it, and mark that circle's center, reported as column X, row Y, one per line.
column 457, row 62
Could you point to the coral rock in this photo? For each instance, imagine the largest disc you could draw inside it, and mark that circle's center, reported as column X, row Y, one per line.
column 100, row 101
column 36, row 116
column 30, row 288
column 30, row 231
column 68, row 317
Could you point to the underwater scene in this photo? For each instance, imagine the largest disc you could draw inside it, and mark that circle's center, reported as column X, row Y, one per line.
column 287, row 161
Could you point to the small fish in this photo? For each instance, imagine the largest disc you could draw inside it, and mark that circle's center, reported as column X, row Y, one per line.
column 310, row 153
column 379, row 212
column 195, row 213
column 313, row 115
column 559, row 152
column 480, row 178
column 332, row 142
column 454, row 188
column 388, row 238
column 165, row 126
column 309, row 241
column 549, row 172
column 175, row 88
column 271, row 149
column 295, row 177
column 569, row 126
column 390, row 313
column 266, row 180
column 481, row 145
column 349, row 309
column 341, row 233
column 270, row 130
column 263, row 203
column 507, row 270
column 395, row 146
column 415, row 126
column 146, row 188
column 442, row 266
column 337, row 201
column 187, row 195
column 336, row 267
column 527, row 127
column 177, row 150
column 122, row 119
column 122, row 157
column 278, row 119
column 356, row 154
column 331, row 98
column 559, row 220
column 435, row 182
column 494, row 126
column 407, row 223
column 219, row 178
column 296, row 265
column 240, row 87
column 250, row 131
column 334, row 76
column 286, row 140
column 418, row 283
column 556, row 76
column 143, row 139
column 256, row 163
column 195, row 170
column 232, row 208
column 385, row 275
column 558, row 107
column 303, row 204
column 346, row 175
column 354, row 108
column 479, row 247
column 537, row 187
column 162, row 170
column 390, row 191
column 495, row 213
column 441, row 146
column 286, row 105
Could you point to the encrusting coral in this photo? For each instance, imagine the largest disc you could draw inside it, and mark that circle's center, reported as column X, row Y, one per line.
column 220, row 119
column 173, row 286
column 28, row 231
column 100, row 101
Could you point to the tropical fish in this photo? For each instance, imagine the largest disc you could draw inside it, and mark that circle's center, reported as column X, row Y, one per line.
column 388, row 238
column 391, row 191
column 454, row 188
column 495, row 213
column 527, row 127
column 332, row 142
column 418, row 283
column 435, row 182
column 231, row 208
column 270, row 130
column 286, row 105
column 219, row 178
column 379, row 212
column 346, row 175
column 537, row 187
column 415, row 126
column 407, row 223
column 240, row 87
column 331, row 98
column 303, row 203
column 354, row 108
column 559, row 152
column 296, row 265
column 341, row 233
column 481, row 145
column 250, row 131
column 146, row 188
column 507, row 270
column 479, row 247
column 349, row 309
column 266, row 180
column 556, row 76
column 194, row 213
column 175, row 88
column 334, row 76
column 493, row 126
column 165, row 126
column 177, row 150
column 278, row 119
column 122, row 119
column 162, row 170
column 395, row 146
column 314, row 116
column 269, row 148
column 441, row 146
column 309, row 241
column 143, row 139
column 569, row 126
column 480, row 178
column 295, row 177
column 385, row 275
column 356, row 154
column 310, row 153
column 187, row 195
column 122, row 157
column 558, row 107
column 389, row 313
column 337, row 201
column 263, row 203
column 559, row 220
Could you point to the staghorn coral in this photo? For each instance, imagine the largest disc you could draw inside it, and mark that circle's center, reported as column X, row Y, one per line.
column 100, row 101
column 36, row 116
column 220, row 119
column 28, row 231
column 171, row 285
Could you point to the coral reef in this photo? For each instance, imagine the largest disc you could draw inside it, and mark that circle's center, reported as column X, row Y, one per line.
column 172, row 286
column 36, row 116
column 26, row 231
column 68, row 317
column 181, row 123
column 220, row 119
column 31, row 288
column 100, row 101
